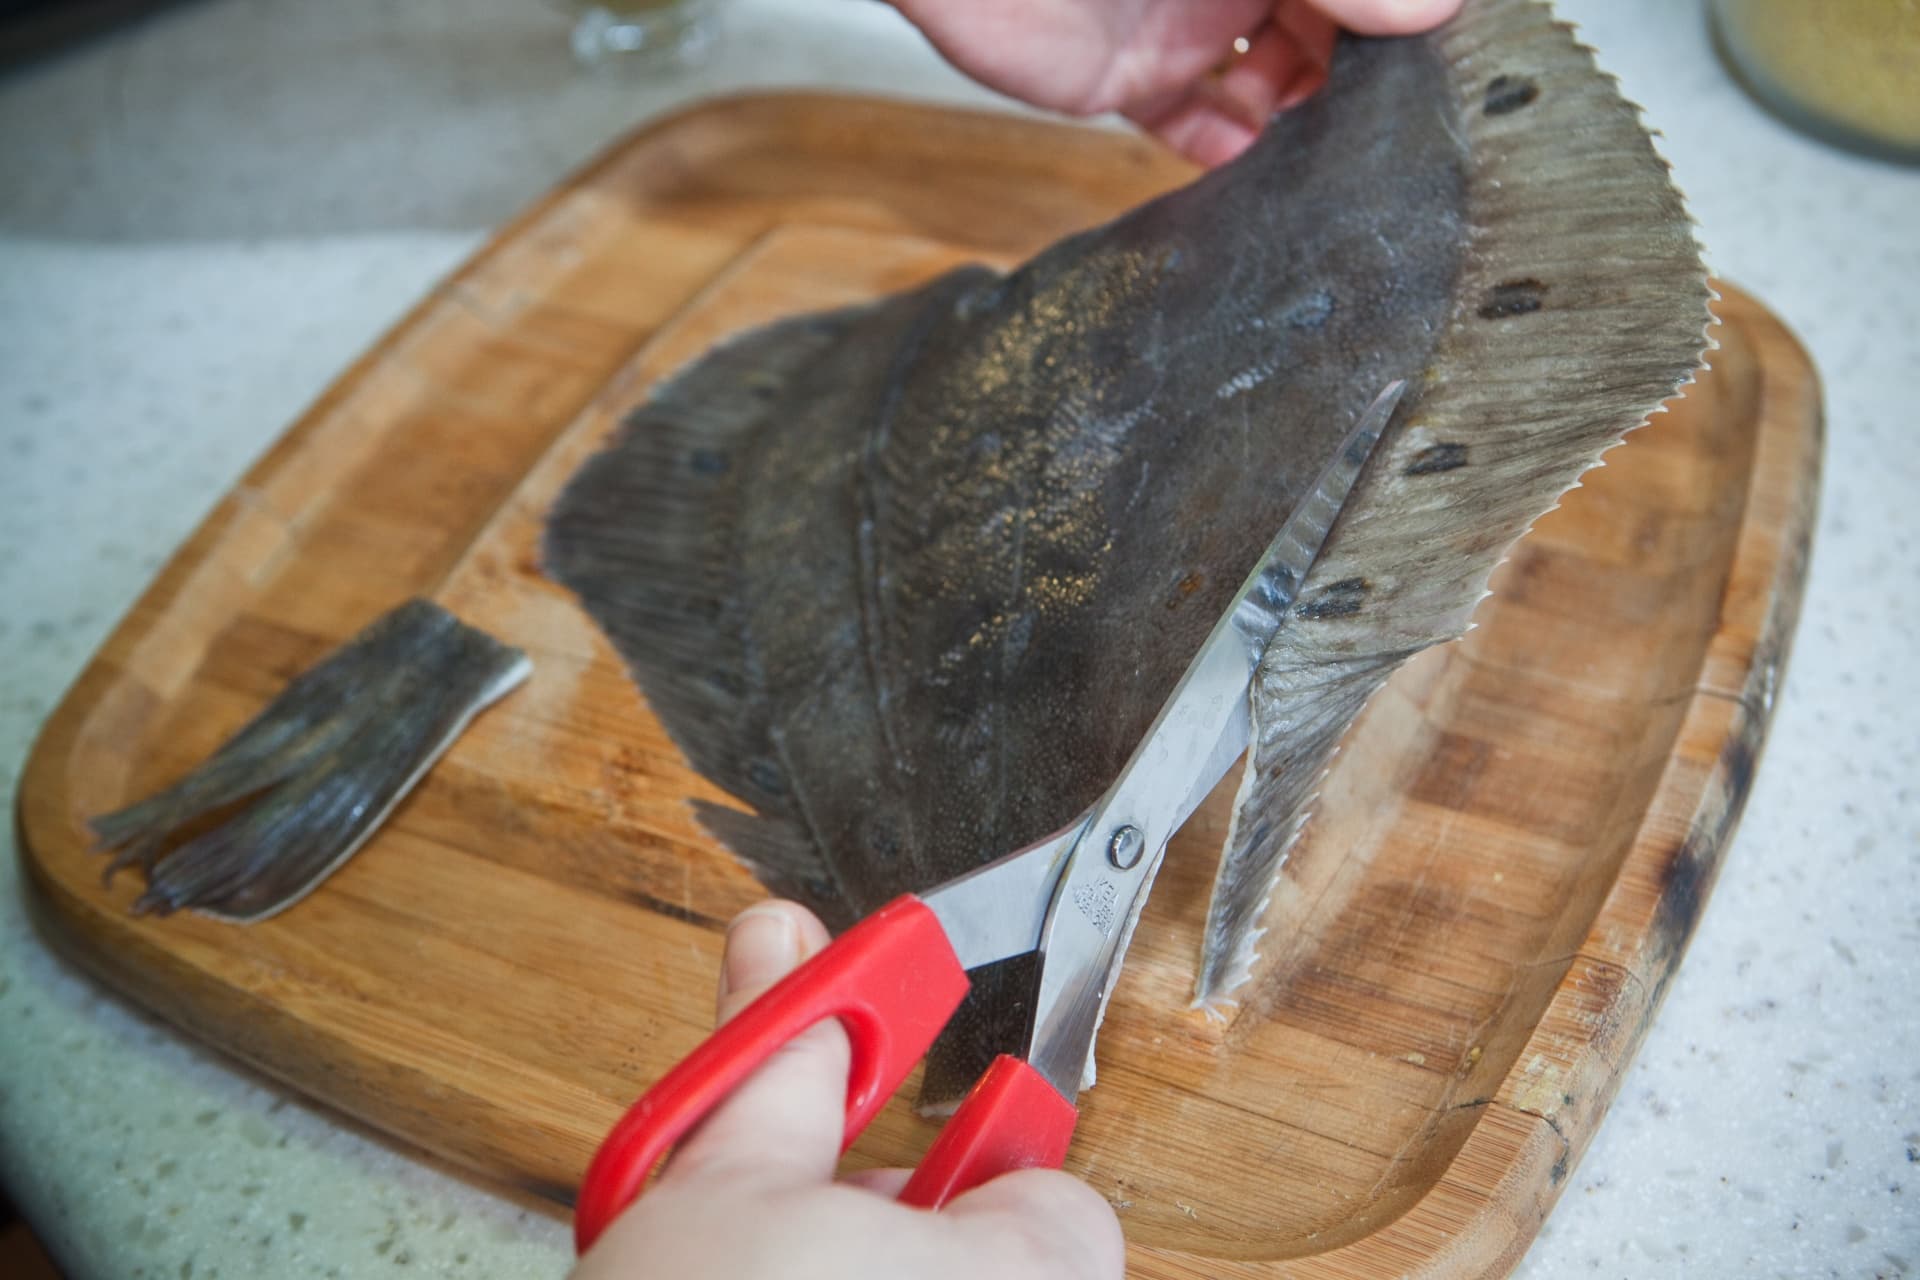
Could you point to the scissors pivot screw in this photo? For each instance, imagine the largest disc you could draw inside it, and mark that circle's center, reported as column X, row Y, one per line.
column 1125, row 846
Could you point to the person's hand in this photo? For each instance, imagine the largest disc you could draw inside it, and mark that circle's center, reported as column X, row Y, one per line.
column 750, row 1194
column 1171, row 66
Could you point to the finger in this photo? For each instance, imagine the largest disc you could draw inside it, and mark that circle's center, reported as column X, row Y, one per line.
column 1163, row 50
column 1389, row 17
column 1198, row 128
column 1302, row 38
column 1285, row 61
column 1040, row 1223
column 764, row 944
column 888, row 1183
column 784, row 1124
column 1218, row 117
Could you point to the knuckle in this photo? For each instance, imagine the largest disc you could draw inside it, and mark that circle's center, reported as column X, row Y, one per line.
column 1054, row 1225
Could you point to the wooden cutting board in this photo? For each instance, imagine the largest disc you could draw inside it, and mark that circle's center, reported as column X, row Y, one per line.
column 1468, row 943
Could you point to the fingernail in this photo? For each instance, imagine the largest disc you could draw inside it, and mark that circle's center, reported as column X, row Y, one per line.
column 762, row 945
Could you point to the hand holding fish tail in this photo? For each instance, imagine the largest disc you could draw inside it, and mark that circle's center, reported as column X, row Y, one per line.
column 1203, row 77
column 751, row 1195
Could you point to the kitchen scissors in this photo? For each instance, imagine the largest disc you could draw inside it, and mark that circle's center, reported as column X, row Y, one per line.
column 895, row 978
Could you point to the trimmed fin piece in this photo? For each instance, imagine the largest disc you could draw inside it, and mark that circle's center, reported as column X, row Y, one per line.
column 911, row 579
column 1580, row 307
column 291, row 796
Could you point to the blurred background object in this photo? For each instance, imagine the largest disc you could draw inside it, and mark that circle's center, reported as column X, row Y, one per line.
column 22, row 1257
column 642, row 34
column 29, row 28
column 1845, row 70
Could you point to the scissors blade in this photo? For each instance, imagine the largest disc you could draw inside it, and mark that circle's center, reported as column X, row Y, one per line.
column 998, row 910
column 1109, row 866
column 1232, row 743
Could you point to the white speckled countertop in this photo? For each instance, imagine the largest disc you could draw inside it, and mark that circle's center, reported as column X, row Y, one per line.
column 205, row 216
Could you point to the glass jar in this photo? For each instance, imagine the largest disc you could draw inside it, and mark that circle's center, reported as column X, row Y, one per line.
column 1846, row 70
column 642, row 34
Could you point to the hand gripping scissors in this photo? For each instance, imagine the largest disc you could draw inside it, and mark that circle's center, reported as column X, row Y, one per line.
column 895, row 978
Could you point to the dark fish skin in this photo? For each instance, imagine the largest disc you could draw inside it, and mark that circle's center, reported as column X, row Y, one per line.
column 946, row 516
column 300, row 787
column 911, row 579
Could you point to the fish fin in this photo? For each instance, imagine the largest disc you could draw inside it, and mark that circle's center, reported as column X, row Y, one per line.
column 295, row 793
column 781, row 856
column 1578, row 313
column 648, row 536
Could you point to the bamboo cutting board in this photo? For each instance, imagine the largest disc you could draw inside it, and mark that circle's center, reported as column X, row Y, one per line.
column 1468, row 943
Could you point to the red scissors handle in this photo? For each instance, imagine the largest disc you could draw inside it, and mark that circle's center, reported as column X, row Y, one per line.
column 1011, row 1119
column 893, row 981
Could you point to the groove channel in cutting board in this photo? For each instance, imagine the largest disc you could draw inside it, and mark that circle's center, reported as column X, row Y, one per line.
column 1466, row 947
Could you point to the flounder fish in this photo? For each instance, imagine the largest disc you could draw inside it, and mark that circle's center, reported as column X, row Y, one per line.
column 910, row 579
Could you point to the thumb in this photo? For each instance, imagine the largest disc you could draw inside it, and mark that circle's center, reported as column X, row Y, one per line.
column 1040, row 1223
column 784, row 1124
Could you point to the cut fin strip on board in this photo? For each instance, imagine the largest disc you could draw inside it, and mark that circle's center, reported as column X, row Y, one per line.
column 291, row 796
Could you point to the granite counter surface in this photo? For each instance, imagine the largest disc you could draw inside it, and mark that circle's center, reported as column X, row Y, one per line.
column 205, row 216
